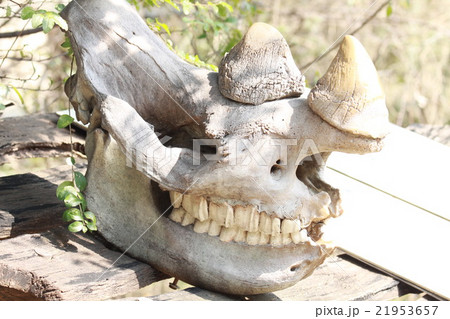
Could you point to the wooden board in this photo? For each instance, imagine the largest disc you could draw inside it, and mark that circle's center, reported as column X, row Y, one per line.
column 396, row 214
column 28, row 202
column 410, row 167
column 36, row 136
column 58, row 265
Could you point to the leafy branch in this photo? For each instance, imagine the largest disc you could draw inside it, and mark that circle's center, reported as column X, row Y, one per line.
column 70, row 192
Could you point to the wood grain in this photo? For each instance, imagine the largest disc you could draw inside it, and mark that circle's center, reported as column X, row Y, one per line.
column 58, row 265
column 36, row 136
column 28, row 201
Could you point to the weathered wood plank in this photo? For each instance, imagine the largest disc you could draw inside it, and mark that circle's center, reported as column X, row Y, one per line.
column 410, row 167
column 36, row 136
column 28, row 202
column 392, row 235
column 339, row 278
column 58, row 265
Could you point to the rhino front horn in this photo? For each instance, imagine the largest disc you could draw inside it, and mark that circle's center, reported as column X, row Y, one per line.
column 349, row 96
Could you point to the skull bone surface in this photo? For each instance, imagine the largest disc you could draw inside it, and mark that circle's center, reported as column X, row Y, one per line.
column 203, row 176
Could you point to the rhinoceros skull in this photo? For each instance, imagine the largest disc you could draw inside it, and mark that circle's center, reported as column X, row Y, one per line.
column 215, row 178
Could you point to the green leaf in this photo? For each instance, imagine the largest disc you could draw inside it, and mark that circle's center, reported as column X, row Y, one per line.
column 172, row 4
column 61, row 22
column 75, row 227
column 90, row 216
column 64, row 120
column 164, row 26
column 60, row 7
column 91, row 226
column 85, row 229
column 83, row 201
column 48, row 23
column 64, row 189
column 388, row 10
column 36, row 21
column 2, row 106
column 66, row 44
column 72, row 160
column 72, row 200
column 187, row 6
column 80, row 181
column 27, row 13
column 8, row 11
column 72, row 214
column 18, row 94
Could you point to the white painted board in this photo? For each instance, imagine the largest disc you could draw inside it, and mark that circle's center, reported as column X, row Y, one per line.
column 396, row 212
column 410, row 167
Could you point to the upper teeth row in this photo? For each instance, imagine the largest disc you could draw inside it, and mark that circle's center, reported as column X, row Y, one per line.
column 235, row 223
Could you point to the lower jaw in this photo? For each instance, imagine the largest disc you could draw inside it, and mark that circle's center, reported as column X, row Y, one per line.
column 236, row 268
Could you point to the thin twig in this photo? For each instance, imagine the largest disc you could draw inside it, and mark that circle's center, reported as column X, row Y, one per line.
column 19, row 33
column 70, row 129
column 331, row 48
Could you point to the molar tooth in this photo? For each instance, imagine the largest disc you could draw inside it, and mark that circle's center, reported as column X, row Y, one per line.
column 197, row 206
column 214, row 228
column 246, row 217
column 286, row 239
column 276, row 240
column 227, row 234
column 253, row 238
column 276, row 226
column 177, row 215
column 265, row 223
column 304, row 235
column 201, row 226
column 188, row 219
column 240, row 236
column 264, row 239
column 222, row 213
column 288, row 226
column 296, row 237
column 176, row 199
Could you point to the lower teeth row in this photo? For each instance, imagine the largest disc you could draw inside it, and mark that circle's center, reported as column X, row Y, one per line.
column 235, row 223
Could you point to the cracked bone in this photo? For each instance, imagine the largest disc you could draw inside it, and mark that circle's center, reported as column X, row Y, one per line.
column 131, row 163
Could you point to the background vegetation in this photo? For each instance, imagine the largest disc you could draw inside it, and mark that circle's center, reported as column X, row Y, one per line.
column 408, row 41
